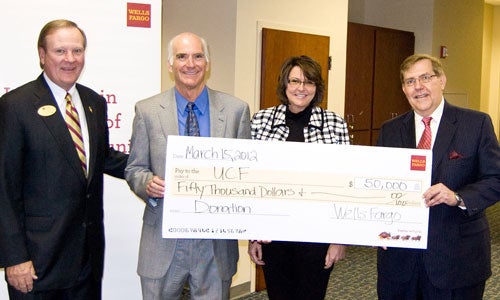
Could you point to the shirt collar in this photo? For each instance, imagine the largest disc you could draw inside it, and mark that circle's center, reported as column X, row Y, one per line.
column 436, row 114
column 58, row 92
column 201, row 102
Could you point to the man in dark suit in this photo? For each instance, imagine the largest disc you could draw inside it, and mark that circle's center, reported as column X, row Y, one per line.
column 465, row 181
column 51, row 210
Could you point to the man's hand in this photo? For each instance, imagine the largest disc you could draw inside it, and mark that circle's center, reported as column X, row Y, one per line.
column 156, row 187
column 21, row 276
column 439, row 194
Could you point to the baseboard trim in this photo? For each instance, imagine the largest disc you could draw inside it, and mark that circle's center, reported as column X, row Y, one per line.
column 239, row 290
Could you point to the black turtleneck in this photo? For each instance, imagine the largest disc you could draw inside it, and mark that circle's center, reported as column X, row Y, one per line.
column 296, row 123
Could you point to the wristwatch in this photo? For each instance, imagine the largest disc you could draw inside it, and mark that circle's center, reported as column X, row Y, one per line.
column 459, row 199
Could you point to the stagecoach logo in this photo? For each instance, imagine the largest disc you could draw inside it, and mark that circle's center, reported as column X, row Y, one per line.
column 139, row 15
column 418, row 163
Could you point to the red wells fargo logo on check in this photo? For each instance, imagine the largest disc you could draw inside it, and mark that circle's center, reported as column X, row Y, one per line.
column 418, row 163
column 139, row 15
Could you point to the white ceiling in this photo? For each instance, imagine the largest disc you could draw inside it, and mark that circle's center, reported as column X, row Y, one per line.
column 493, row 2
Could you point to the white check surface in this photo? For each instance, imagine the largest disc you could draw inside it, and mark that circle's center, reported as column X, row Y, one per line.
column 220, row 188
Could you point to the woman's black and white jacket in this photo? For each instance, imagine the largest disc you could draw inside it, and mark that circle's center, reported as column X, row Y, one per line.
column 324, row 126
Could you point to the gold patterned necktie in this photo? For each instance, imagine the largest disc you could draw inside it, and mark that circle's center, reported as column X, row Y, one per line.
column 73, row 123
column 192, row 128
column 425, row 140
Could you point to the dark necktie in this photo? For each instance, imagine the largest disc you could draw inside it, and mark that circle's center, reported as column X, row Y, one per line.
column 425, row 140
column 73, row 123
column 192, row 128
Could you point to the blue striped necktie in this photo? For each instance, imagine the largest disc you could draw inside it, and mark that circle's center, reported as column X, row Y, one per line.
column 192, row 128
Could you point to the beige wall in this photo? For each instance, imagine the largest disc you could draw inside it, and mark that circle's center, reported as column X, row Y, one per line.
column 470, row 29
column 487, row 55
column 491, row 65
column 214, row 20
column 495, row 73
column 460, row 28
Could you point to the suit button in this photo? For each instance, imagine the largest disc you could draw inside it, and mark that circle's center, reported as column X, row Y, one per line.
column 84, row 225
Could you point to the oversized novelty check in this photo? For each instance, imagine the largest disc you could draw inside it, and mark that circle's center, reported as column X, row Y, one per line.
column 220, row 188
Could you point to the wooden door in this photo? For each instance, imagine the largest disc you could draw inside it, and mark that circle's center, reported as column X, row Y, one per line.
column 373, row 88
column 360, row 137
column 278, row 45
column 359, row 76
column 391, row 48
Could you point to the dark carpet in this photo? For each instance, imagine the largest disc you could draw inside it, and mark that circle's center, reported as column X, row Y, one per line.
column 354, row 278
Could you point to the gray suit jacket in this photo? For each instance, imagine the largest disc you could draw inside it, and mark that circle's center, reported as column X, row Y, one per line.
column 155, row 119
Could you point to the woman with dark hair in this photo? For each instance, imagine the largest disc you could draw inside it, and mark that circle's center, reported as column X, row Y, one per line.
column 298, row 270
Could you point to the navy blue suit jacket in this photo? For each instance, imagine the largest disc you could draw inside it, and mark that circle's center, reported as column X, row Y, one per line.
column 466, row 158
column 49, row 212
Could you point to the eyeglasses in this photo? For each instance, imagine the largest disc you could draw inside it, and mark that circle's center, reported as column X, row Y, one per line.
column 295, row 82
column 426, row 78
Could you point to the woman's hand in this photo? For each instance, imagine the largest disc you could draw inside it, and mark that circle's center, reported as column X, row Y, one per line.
column 334, row 254
column 255, row 252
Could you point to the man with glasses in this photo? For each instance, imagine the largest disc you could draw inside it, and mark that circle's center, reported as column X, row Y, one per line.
column 190, row 108
column 465, row 181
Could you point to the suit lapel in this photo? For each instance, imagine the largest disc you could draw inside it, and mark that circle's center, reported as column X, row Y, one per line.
column 167, row 114
column 408, row 131
column 446, row 131
column 217, row 118
column 90, row 116
column 56, row 125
